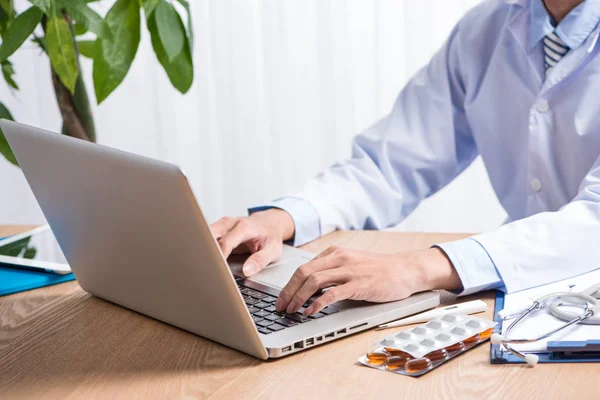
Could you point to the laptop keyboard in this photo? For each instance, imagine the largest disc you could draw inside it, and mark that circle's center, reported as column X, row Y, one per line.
column 266, row 318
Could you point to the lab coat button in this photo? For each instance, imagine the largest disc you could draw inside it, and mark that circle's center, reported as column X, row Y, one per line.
column 536, row 185
column 542, row 106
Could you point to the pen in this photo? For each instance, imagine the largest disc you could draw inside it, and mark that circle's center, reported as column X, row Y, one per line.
column 470, row 307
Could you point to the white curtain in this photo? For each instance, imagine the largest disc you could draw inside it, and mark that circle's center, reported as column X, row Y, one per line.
column 281, row 88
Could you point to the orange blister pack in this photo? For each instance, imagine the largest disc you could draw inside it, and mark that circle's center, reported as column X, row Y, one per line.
column 419, row 350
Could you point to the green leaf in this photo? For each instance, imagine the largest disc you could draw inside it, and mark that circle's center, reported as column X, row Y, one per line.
column 87, row 17
column 80, row 29
column 44, row 5
column 61, row 50
column 149, row 7
column 181, row 69
column 30, row 253
column 7, row 6
column 5, row 20
column 19, row 31
column 87, row 48
column 190, row 26
column 15, row 248
column 40, row 41
column 4, row 147
column 172, row 34
column 114, row 57
column 8, row 72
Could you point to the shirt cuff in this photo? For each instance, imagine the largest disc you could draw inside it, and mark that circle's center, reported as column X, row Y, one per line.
column 307, row 226
column 473, row 264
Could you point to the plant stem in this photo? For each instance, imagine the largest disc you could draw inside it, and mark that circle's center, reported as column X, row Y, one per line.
column 75, row 109
column 81, row 101
column 72, row 123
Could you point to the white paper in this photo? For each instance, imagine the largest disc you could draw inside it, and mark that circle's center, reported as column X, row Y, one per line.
column 540, row 322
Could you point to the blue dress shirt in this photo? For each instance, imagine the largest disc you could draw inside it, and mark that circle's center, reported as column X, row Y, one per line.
column 485, row 93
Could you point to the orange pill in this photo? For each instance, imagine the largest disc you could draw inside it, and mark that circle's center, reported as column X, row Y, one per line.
column 377, row 358
column 395, row 363
column 397, row 353
column 455, row 347
column 472, row 339
column 486, row 334
column 437, row 355
column 417, row 365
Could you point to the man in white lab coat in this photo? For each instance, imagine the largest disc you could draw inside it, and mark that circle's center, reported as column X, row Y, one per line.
column 517, row 82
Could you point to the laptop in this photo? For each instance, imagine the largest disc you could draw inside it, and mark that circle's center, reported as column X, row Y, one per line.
column 134, row 234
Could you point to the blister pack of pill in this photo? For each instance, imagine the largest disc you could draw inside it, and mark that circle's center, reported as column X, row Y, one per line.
column 418, row 350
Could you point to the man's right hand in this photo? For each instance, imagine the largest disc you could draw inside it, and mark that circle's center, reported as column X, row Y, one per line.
column 261, row 234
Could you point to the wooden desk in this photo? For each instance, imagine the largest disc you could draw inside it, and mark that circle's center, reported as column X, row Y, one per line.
column 60, row 342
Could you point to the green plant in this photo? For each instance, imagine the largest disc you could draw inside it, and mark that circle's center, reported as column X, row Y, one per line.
column 113, row 49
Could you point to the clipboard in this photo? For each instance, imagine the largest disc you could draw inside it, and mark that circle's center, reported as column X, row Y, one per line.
column 15, row 280
column 563, row 351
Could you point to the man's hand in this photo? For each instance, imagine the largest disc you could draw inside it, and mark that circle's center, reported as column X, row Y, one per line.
column 262, row 234
column 360, row 275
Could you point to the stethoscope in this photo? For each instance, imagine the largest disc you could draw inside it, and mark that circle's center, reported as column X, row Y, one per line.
column 556, row 303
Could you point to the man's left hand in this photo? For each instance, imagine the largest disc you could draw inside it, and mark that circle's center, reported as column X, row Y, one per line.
column 361, row 275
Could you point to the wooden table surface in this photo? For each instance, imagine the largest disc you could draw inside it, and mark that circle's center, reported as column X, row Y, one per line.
column 60, row 342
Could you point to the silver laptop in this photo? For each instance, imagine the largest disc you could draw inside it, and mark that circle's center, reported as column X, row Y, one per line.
column 134, row 235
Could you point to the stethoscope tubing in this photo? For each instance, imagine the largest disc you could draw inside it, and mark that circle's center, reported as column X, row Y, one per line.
column 587, row 295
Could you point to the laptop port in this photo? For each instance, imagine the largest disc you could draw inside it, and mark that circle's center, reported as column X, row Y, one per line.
column 310, row 341
column 319, row 338
column 330, row 335
column 341, row 332
column 286, row 349
column 359, row 325
column 299, row 345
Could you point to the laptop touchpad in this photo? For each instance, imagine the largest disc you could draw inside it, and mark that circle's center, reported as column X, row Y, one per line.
column 277, row 275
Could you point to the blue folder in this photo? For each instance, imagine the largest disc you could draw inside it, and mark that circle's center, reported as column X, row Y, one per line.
column 14, row 280
column 558, row 351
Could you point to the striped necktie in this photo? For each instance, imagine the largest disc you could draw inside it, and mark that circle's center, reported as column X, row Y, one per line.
column 554, row 50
